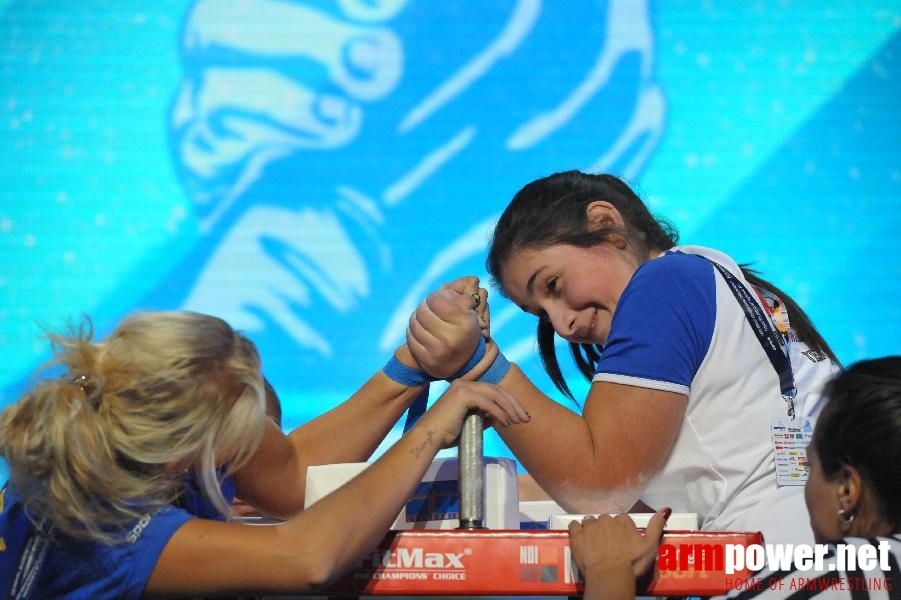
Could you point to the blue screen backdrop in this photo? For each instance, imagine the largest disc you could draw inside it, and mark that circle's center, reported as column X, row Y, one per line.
column 310, row 169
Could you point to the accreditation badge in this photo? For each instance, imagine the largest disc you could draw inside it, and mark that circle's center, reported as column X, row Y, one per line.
column 790, row 440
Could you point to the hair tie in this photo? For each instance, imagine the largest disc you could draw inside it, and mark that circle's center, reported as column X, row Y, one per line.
column 88, row 390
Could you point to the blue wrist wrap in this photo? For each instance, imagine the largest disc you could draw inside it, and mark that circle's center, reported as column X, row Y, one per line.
column 405, row 375
column 411, row 377
column 497, row 370
column 417, row 408
column 477, row 355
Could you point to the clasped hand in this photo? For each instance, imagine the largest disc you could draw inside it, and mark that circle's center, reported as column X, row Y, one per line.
column 445, row 328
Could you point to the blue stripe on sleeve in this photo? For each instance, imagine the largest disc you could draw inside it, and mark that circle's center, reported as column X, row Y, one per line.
column 663, row 325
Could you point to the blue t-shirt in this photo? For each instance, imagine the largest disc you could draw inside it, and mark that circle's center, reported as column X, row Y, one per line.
column 80, row 569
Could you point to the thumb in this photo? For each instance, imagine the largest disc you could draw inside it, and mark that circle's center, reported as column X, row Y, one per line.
column 657, row 523
column 653, row 535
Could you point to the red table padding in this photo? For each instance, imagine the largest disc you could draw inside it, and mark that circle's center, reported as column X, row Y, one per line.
column 527, row 563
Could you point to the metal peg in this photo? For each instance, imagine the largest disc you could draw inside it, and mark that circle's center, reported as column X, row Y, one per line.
column 472, row 473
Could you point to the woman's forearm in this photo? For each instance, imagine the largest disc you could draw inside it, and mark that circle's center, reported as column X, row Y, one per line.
column 274, row 480
column 353, row 430
column 600, row 460
column 342, row 526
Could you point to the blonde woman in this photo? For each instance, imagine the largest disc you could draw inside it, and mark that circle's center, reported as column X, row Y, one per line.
column 123, row 463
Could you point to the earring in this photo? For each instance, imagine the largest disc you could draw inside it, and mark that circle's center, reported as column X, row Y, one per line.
column 845, row 516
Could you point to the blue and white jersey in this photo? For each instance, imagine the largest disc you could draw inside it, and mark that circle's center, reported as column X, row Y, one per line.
column 699, row 343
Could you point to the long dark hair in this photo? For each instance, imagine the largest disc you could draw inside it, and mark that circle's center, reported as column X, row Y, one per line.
column 860, row 426
column 551, row 211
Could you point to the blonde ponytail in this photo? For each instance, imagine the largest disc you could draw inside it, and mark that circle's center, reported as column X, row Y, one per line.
column 107, row 440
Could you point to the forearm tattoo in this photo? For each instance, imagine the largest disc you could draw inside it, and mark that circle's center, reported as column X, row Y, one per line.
column 426, row 442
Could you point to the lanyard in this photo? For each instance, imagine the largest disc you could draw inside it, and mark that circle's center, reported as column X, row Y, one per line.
column 767, row 335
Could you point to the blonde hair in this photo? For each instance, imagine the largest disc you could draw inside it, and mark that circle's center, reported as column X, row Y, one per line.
column 108, row 440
